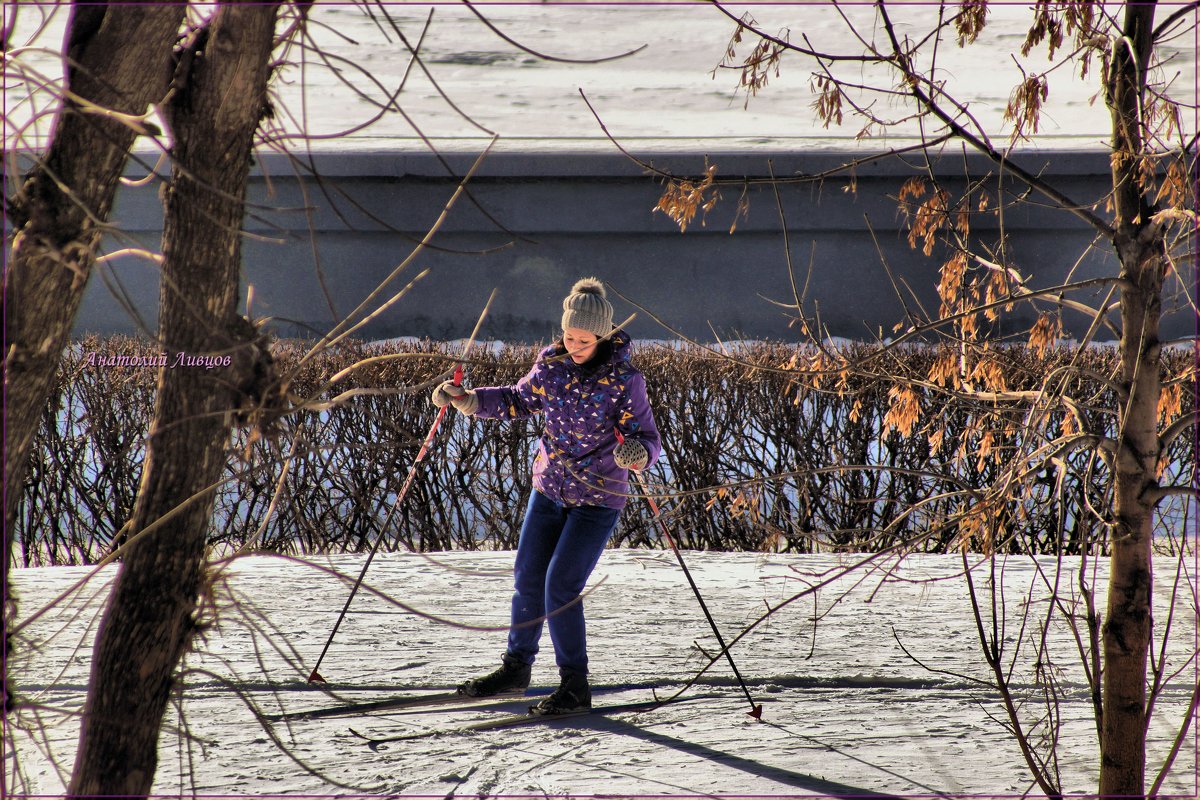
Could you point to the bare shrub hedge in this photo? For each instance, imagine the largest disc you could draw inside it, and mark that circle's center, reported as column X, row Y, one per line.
column 755, row 458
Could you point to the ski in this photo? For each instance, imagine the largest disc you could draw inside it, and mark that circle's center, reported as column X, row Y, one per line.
column 404, row 703
column 518, row 720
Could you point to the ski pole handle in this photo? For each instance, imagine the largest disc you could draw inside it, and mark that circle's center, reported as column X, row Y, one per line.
column 458, row 377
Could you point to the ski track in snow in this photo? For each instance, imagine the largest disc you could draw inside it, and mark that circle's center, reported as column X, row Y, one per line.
column 846, row 711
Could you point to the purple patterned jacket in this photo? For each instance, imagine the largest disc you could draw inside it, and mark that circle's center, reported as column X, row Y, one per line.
column 574, row 465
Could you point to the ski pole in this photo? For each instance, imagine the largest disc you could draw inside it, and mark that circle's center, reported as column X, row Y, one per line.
column 315, row 676
column 755, row 708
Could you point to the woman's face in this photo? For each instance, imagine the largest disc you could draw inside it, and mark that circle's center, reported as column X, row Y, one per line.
column 580, row 344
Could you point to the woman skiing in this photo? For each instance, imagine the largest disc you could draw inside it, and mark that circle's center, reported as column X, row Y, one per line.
column 586, row 390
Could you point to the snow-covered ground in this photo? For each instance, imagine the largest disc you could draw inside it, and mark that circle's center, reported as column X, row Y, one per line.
column 847, row 710
column 870, row 683
column 670, row 92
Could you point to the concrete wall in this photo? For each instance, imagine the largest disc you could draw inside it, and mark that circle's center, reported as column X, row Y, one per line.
column 533, row 223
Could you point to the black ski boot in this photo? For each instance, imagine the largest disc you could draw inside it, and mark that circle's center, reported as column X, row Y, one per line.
column 511, row 678
column 572, row 695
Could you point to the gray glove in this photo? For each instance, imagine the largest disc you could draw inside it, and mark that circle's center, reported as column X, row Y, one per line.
column 465, row 400
column 631, row 454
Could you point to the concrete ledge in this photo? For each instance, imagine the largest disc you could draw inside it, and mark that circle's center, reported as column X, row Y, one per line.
column 532, row 223
column 741, row 162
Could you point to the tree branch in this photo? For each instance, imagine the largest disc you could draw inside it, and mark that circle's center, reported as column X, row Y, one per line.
column 1034, row 182
column 1158, row 495
column 1173, row 18
column 1176, row 428
column 541, row 55
column 786, row 45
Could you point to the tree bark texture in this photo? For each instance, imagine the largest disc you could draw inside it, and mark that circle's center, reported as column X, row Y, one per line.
column 1140, row 248
column 154, row 610
column 119, row 59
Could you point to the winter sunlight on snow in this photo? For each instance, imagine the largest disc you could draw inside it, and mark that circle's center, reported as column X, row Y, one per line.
column 872, row 682
column 899, row 673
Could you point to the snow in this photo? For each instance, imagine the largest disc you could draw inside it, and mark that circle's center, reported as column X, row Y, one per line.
column 847, row 711
column 670, row 92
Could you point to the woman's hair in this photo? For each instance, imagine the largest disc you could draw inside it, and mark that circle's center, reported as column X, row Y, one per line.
column 604, row 350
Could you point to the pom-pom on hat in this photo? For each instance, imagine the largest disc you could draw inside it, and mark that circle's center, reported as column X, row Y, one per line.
column 587, row 308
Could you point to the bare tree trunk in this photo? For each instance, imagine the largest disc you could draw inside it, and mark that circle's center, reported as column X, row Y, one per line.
column 153, row 612
column 1139, row 244
column 119, row 61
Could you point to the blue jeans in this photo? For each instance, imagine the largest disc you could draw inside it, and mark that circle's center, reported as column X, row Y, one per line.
column 558, row 550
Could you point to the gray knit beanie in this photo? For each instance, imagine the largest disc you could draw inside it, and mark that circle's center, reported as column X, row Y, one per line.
column 586, row 308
